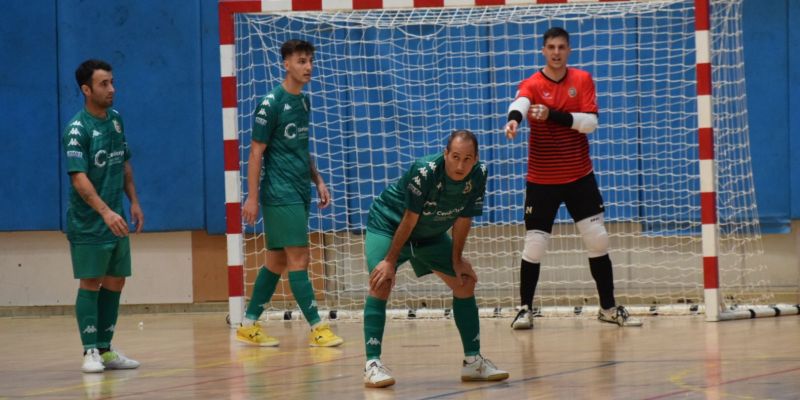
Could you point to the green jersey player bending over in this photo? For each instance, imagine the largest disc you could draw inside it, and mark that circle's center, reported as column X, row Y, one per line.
column 409, row 222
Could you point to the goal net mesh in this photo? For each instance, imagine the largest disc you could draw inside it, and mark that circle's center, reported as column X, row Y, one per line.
column 389, row 86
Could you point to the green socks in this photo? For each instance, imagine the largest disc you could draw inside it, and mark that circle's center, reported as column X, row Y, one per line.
column 465, row 312
column 86, row 314
column 304, row 295
column 265, row 285
column 107, row 312
column 374, row 322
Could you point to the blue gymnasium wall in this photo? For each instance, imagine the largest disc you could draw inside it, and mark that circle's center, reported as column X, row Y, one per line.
column 165, row 58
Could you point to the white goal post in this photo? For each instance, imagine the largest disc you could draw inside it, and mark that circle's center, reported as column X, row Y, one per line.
column 392, row 80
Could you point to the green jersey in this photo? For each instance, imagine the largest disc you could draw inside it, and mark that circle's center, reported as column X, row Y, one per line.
column 96, row 147
column 281, row 121
column 426, row 189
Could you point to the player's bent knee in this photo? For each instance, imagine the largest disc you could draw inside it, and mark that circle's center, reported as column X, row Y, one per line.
column 466, row 290
column 595, row 236
column 381, row 293
column 535, row 245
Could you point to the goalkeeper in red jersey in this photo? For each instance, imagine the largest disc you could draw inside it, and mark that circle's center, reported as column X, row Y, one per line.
column 561, row 107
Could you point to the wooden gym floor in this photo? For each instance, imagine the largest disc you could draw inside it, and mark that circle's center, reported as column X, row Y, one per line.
column 193, row 356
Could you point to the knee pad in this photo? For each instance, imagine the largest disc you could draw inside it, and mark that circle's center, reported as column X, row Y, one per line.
column 535, row 245
column 594, row 234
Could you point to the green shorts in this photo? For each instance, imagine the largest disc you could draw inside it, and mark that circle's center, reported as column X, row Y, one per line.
column 435, row 254
column 286, row 225
column 99, row 260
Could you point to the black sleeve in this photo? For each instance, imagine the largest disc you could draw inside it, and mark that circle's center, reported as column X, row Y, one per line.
column 561, row 118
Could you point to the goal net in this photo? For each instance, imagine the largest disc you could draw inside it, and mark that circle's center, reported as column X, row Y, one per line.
column 389, row 86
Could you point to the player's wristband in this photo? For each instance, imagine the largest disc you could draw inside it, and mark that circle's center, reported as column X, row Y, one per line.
column 561, row 118
column 515, row 115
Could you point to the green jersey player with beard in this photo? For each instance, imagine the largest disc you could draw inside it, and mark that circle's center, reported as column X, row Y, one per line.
column 409, row 222
column 97, row 162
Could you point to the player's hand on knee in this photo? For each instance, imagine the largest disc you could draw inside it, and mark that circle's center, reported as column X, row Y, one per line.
column 464, row 272
column 382, row 277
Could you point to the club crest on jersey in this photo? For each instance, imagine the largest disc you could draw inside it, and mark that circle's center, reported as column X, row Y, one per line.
column 117, row 126
column 468, row 187
column 572, row 91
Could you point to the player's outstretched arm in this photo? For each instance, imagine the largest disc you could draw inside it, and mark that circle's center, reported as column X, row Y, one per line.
column 86, row 190
column 137, row 216
column 516, row 110
column 250, row 207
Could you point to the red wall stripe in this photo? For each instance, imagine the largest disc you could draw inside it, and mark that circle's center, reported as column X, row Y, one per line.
column 235, row 281
column 708, row 208
column 226, row 10
column 710, row 273
column 706, row 142
column 233, row 218
column 490, row 2
column 231, row 154
column 701, row 16
column 367, row 4
column 703, row 79
column 228, row 91
column 428, row 3
column 306, row 5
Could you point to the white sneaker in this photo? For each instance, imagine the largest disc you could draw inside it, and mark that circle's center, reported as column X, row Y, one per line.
column 92, row 362
column 523, row 320
column 618, row 315
column 376, row 375
column 114, row 359
column 481, row 370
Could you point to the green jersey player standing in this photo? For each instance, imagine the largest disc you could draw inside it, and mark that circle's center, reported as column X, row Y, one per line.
column 409, row 222
column 97, row 162
column 280, row 139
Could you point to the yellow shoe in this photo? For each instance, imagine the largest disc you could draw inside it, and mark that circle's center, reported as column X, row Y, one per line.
column 322, row 336
column 254, row 335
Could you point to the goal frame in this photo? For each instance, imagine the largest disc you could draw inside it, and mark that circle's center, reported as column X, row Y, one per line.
column 714, row 306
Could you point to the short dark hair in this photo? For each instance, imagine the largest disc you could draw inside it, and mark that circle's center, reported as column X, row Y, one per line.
column 463, row 134
column 555, row 32
column 83, row 75
column 292, row 46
